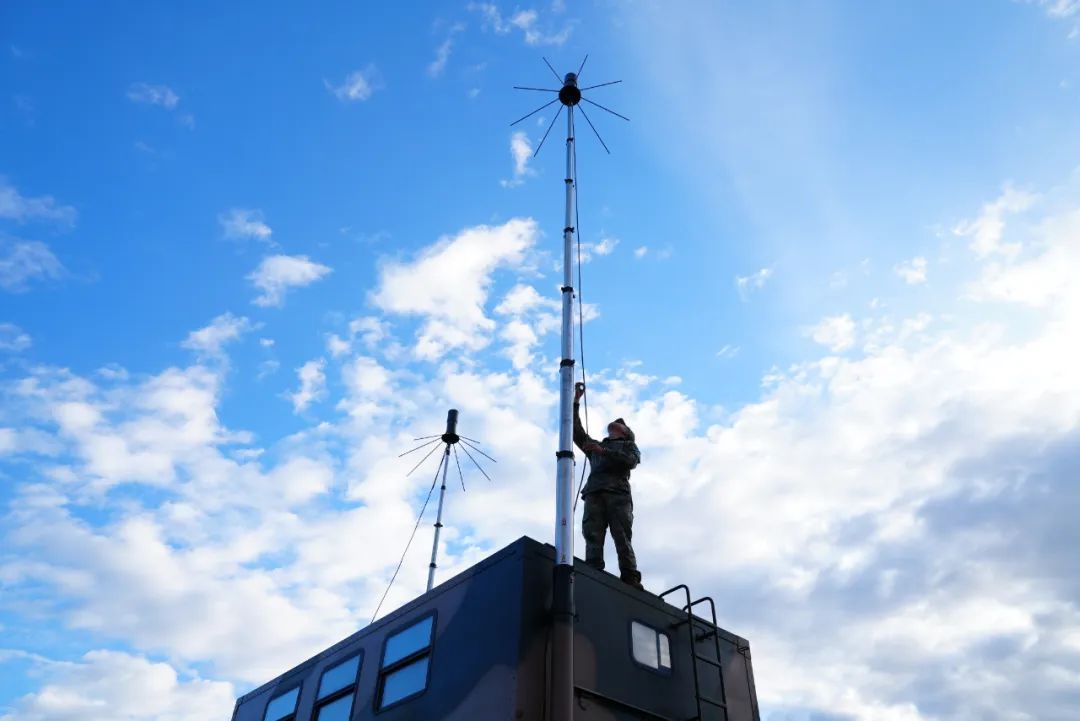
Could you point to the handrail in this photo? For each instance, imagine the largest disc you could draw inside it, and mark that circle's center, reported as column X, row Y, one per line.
column 690, row 636
column 716, row 641
column 684, row 587
column 688, row 609
column 712, row 608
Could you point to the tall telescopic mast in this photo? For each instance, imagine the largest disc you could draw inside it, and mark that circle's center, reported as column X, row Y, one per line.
column 561, row 697
column 564, row 501
column 562, row 646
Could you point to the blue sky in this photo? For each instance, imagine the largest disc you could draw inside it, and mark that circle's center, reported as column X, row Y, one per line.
column 248, row 252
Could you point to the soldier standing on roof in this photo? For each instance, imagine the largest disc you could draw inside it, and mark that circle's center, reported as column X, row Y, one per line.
column 608, row 503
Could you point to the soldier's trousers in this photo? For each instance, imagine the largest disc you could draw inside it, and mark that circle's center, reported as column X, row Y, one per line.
column 614, row 511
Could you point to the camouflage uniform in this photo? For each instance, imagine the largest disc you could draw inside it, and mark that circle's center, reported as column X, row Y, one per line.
column 608, row 503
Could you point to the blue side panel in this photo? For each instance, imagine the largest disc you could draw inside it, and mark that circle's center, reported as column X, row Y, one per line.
column 472, row 665
column 474, row 656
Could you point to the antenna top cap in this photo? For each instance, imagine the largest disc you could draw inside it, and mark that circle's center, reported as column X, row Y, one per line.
column 570, row 94
column 451, row 435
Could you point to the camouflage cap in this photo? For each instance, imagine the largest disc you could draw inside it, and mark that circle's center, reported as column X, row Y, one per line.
column 621, row 422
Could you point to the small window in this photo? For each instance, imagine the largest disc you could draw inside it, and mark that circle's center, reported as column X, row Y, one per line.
column 403, row 672
column 650, row 648
column 339, row 710
column 283, row 706
column 409, row 641
column 336, row 689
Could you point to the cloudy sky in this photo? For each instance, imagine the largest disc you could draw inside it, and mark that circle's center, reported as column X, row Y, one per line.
column 247, row 253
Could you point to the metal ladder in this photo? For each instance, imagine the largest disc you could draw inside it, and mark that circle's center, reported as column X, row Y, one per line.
column 693, row 624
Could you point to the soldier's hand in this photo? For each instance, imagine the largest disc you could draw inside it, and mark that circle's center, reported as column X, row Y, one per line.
column 579, row 391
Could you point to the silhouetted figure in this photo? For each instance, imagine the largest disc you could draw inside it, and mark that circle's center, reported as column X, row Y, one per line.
column 608, row 502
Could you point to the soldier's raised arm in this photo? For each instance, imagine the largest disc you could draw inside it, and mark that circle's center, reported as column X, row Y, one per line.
column 582, row 439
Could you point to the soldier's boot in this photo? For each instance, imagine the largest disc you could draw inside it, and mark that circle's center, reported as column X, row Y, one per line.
column 632, row 578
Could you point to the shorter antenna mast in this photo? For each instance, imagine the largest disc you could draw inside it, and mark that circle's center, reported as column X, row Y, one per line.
column 450, row 439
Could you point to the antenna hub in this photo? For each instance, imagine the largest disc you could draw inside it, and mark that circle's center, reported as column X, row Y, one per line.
column 570, row 94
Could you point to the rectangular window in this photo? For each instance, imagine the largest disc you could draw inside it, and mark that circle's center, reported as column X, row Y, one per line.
column 403, row 672
column 283, row 706
column 649, row 647
column 339, row 710
column 336, row 690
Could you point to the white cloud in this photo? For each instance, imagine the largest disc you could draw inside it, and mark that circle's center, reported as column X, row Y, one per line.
column 1044, row 281
column 26, row 261
column 491, row 16
column 267, row 368
column 755, row 281
column 640, row 252
column 312, row 377
column 366, row 378
column 987, row 230
column 522, row 299
column 358, row 85
column 168, row 416
column 109, row 684
column 1059, row 8
column 114, row 372
column 727, row 351
column 912, row 271
column 521, row 150
column 337, row 346
column 149, row 574
column 442, row 53
column 525, row 21
column 442, row 56
column 211, row 340
column 605, row 246
column 836, row 332
column 13, row 339
column 531, row 316
column 520, row 338
column 276, row 274
column 148, row 94
column 371, row 330
column 448, row 284
column 16, row 206
column 243, row 223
